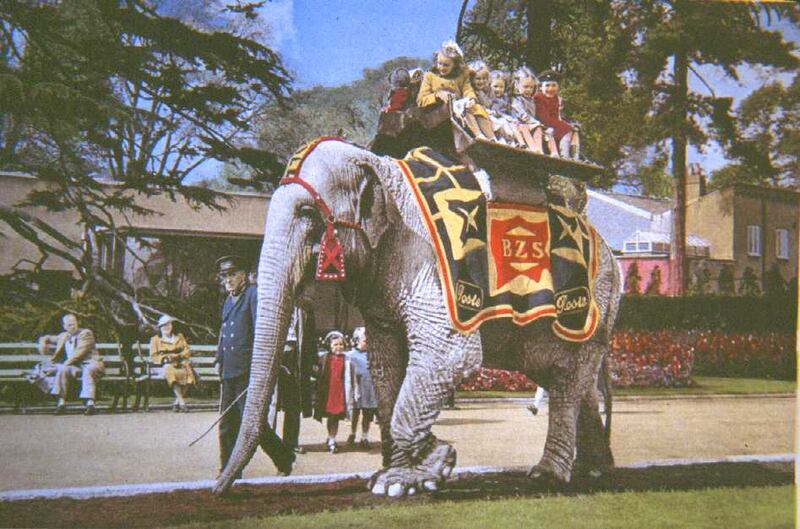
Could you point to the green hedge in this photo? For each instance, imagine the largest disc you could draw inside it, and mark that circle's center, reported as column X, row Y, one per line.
column 722, row 313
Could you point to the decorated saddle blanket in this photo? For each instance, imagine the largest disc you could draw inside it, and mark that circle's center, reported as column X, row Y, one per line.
column 499, row 260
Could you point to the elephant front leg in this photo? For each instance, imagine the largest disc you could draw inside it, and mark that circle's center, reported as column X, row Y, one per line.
column 417, row 460
column 387, row 365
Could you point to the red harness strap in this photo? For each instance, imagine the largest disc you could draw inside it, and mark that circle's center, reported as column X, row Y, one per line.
column 330, row 262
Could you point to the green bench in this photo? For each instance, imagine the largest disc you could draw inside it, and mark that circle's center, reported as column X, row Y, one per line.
column 17, row 359
column 203, row 357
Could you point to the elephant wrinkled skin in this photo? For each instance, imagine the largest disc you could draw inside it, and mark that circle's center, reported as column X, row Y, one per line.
column 416, row 357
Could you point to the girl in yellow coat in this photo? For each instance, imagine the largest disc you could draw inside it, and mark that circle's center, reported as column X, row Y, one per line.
column 171, row 351
column 450, row 79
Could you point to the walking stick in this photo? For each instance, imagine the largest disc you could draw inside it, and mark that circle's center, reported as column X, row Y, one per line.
column 221, row 415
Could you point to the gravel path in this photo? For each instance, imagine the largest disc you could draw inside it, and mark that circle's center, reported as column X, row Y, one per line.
column 46, row 451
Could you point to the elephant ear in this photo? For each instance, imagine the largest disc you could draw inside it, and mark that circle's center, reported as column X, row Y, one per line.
column 372, row 206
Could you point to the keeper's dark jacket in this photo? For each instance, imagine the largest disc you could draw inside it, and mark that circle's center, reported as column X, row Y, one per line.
column 236, row 333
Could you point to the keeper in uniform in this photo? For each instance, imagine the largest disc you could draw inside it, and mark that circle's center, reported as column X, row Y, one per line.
column 233, row 363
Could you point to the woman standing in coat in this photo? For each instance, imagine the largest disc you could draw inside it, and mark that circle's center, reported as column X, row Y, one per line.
column 171, row 351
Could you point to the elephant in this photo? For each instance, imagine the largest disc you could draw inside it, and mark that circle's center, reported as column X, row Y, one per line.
column 416, row 357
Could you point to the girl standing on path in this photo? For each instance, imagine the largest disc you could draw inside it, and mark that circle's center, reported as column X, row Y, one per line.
column 331, row 401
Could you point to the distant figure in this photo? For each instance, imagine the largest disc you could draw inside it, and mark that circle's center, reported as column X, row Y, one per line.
column 331, row 402
column 361, row 392
column 171, row 351
column 294, row 379
column 75, row 354
column 233, row 364
column 537, row 400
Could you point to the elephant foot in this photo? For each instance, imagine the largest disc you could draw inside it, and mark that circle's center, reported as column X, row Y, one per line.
column 593, row 470
column 426, row 476
column 548, row 473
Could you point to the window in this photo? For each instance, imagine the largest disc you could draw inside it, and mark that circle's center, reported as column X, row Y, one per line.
column 754, row 240
column 630, row 246
column 782, row 244
column 643, row 246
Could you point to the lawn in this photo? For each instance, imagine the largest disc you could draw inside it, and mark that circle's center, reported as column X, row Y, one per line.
column 702, row 386
column 754, row 507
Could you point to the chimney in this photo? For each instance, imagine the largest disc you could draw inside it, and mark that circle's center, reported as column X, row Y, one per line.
column 695, row 183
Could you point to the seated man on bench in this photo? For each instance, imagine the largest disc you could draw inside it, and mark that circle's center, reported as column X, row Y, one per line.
column 75, row 354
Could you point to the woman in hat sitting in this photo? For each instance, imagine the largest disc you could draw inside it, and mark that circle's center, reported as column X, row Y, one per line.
column 171, row 351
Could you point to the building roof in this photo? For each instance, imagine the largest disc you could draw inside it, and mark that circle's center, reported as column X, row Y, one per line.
column 652, row 205
column 661, row 237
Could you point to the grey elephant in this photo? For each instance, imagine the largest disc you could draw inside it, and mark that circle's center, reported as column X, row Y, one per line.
column 416, row 357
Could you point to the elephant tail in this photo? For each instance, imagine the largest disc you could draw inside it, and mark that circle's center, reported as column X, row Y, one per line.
column 605, row 380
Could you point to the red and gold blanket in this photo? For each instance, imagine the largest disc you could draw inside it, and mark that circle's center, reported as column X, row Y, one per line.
column 500, row 260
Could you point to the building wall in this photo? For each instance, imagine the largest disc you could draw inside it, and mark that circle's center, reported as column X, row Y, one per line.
column 770, row 212
column 646, row 266
column 244, row 218
column 13, row 248
column 711, row 217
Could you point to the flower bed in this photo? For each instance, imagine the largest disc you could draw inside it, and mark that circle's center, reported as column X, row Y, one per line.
column 670, row 358
column 650, row 359
column 486, row 379
column 762, row 355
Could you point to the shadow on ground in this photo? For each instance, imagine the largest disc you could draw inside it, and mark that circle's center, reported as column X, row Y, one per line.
column 262, row 500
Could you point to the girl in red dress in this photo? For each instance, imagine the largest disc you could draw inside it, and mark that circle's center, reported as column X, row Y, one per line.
column 548, row 111
column 331, row 402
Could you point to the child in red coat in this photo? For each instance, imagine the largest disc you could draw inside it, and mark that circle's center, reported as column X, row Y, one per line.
column 548, row 112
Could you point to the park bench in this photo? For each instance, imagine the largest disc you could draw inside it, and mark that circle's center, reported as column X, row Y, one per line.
column 17, row 359
column 203, row 358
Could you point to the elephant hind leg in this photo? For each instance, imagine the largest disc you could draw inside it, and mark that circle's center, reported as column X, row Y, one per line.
column 573, row 379
column 593, row 451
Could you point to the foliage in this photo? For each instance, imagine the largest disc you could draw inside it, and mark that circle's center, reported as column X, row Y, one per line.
column 94, row 89
column 486, row 379
column 764, row 355
column 633, row 279
column 654, row 283
column 626, row 67
column 723, row 313
column 765, row 145
column 349, row 111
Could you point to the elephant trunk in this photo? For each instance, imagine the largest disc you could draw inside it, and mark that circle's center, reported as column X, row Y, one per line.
column 279, row 270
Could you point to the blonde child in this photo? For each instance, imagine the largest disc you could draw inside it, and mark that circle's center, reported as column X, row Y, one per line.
column 449, row 80
column 530, row 131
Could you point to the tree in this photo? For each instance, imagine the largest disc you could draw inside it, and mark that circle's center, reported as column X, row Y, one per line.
column 633, row 280
column 654, row 284
column 115, row 90
column 765, row 144
column 350, row 111
column 628, row 67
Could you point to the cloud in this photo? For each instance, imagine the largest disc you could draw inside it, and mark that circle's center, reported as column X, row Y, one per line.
column 279, row 15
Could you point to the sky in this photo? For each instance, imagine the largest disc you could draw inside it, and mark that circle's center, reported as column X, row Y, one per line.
column 330, row 42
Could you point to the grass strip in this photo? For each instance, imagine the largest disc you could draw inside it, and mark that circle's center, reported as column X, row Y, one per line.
column 753, row 507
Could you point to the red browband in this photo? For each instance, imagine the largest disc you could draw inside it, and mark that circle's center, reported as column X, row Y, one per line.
column 330, row 261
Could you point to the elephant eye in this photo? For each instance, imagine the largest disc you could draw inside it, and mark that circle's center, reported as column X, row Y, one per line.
column 307, row 211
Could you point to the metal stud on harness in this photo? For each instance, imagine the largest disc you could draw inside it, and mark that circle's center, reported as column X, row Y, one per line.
column 330, row 262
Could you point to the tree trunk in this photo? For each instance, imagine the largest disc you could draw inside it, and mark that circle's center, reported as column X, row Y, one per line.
column 538, row 45
column 680, row 264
